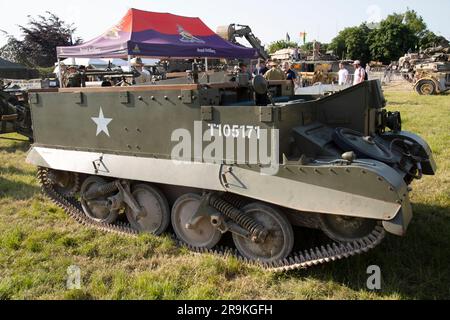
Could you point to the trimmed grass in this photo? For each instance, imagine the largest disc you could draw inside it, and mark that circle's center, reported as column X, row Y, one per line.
column 38, row 242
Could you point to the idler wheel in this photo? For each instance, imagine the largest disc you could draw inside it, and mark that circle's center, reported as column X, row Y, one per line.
column 97, row 209
column 280, row 239
column 365, row 147
column 346, row 229
column 201, row 234
column 155, row 215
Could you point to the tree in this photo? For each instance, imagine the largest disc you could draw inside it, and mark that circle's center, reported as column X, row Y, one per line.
column 308, row 47
column 281, row 44
column 430, row 39
column 13, row 51
column 41, row 36
column 415, row 23
column 388, row 41
column 391, row 40
column 351, row 43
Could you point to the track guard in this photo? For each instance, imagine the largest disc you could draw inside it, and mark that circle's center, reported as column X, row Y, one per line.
column 400, row 223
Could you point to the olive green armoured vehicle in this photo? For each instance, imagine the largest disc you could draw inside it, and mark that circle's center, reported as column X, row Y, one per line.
column 243, row 163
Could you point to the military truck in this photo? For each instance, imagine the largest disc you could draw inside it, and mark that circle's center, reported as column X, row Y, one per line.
column 249, row 160
column 432, row 78
column 428, row 70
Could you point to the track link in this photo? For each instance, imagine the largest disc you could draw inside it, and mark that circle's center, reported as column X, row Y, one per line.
column 299, row 260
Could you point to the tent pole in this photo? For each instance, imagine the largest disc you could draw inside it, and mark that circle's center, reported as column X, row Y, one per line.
column 60, row 73
column 206, row 70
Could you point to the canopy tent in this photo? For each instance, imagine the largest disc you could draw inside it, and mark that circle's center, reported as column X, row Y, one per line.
column 11, row 70
column 152, row 34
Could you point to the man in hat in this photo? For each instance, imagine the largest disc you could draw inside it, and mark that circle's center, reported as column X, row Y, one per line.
column 274, row 73
column 145, row 77
column 72, row 77
column 360, row 73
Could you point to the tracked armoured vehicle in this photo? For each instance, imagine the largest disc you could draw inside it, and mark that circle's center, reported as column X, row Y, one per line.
column 250, row 160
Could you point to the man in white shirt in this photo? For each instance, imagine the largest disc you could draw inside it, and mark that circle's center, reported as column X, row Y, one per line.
column 343, row 75
column 145, row 76
column 360, row 73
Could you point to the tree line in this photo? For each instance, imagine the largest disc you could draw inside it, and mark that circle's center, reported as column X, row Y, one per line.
column 41, row 36
column 386, row 41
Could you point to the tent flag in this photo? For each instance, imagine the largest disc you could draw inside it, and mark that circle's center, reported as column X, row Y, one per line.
column 152, row 34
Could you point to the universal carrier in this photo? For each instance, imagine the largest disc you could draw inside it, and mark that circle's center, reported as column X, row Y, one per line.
column 162, row 158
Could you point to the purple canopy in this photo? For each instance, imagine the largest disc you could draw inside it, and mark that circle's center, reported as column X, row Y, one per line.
column 151, row 34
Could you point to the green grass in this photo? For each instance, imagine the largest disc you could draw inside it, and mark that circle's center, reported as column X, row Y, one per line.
column 38, row 242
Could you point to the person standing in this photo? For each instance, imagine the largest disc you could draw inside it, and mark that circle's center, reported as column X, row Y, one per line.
column 360, row 73
column 261, row 69
column 244, row 69
column 295, row 54
column 343, row 75
column 289, row 73
column 368, row 69
column 144, row 75
column 274, row 73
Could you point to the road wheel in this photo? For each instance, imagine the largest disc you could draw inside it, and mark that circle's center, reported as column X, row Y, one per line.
column 279, row 242
column 203, row 234
column 155, row 215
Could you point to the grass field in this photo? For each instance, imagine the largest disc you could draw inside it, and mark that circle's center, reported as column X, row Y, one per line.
column 38, row 243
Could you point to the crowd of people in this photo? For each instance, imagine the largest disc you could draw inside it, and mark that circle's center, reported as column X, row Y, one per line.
column 72, row 76
column 359, row 76
column 271, row 71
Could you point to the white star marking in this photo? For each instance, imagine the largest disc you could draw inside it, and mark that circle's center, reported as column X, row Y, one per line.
column 102, row 123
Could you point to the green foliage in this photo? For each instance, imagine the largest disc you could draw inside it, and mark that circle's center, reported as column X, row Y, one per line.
column 352, row 43
column 414, row 22
column 309, row 46
column 41, row 36
column 391, row 40
column 430, row 39
column 46, row 72
column 281, row 44
column 387, row 41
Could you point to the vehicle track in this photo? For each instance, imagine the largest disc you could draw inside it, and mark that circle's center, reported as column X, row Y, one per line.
column 299, row 260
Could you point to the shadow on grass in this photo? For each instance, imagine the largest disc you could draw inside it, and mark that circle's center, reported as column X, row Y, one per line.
column 17, row 190
column 413, row 267
column 14, row 145
column 13, row 170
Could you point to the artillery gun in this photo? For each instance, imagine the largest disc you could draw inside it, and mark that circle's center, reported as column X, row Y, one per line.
column 15, row 113
column 252, row 160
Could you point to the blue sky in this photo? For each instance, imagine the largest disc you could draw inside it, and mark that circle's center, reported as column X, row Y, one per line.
column 270, row 20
